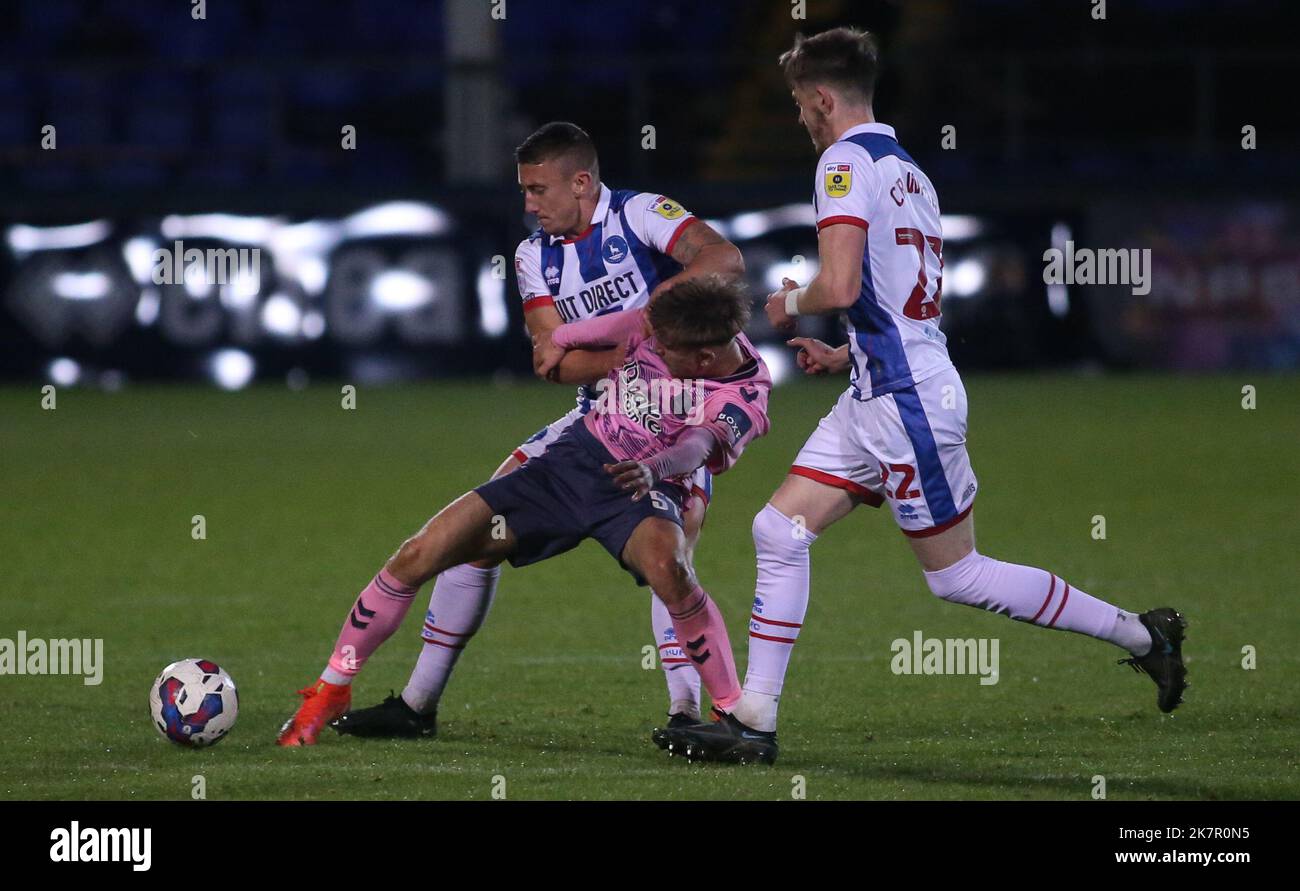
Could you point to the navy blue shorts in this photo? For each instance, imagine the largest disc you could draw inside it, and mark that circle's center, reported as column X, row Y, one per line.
column 564, row 495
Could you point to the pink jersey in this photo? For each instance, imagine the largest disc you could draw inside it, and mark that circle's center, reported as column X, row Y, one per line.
column 641, row 408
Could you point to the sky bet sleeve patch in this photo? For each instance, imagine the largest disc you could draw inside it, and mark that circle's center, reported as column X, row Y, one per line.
column 839, row 179
column 667, row 208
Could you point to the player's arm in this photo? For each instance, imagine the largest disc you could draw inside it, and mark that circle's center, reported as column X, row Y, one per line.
column 614, row 329
column 816, row 357
column 542, row 318
column 836, row 285
column 725, row 430
column 554, row 363
column 702, row 251
column 689, row 453
column 670, row 229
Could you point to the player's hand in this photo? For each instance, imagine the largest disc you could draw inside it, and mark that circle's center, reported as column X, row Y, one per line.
column 546, row 355
column 776, row 313
column 814, row 356
column 634, row 476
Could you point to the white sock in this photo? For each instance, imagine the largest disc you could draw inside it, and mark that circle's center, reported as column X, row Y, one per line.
column 458, row 605
column 780, row 601
column 1035, row 595
column 330, row 676
column 683, row 680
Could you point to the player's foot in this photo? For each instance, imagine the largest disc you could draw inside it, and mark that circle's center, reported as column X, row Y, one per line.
column 659, row 736
column 726, row 740
column 321, row 703
column 1164, row 661
column 392, row 718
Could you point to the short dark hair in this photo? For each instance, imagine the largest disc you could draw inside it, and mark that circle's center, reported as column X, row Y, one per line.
column 846, row 58
column 559, row 139
column 707, row 310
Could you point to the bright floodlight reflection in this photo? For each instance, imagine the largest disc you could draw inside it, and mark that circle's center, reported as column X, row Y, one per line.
column 80, row 285
column 493, row 318
column 280, row 315
column 231, row 369
column 398, row 289
column 967, row 277
column 64, row 372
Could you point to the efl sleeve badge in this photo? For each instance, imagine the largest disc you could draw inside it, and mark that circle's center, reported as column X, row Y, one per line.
column 667, row 208
column 838, row 180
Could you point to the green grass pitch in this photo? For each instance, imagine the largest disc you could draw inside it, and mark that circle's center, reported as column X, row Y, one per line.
column 304, row 500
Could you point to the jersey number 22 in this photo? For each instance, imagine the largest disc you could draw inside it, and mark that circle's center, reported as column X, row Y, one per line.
column 919, row 306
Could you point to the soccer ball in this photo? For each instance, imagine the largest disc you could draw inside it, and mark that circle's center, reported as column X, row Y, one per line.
column 193, row 702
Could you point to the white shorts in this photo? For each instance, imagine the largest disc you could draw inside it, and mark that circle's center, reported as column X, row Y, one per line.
column 701, row 482
column 908, row 446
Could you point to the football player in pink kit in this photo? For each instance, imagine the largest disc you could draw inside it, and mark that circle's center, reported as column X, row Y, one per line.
column 691, row 393
column 898, row 434
column 597, row 251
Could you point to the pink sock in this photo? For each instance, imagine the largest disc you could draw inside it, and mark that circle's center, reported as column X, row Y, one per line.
column 375, row 616
column 703, row 635
column 679, row 672
column 1034, row 595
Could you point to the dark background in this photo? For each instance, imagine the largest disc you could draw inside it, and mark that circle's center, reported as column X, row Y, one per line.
column 1124, row 132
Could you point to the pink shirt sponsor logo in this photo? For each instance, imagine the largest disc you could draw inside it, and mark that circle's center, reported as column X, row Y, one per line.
column 641, row 408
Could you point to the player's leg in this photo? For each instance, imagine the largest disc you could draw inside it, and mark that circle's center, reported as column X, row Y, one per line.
column 829, row 478
column 784, row 530
column 919, row 436
column 458, row 606
column 657, row 551
column 682, row 679
column 460, row 532
column 956, row 572
column 931, row 488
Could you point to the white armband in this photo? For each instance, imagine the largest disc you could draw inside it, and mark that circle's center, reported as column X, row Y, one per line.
column 792, row 301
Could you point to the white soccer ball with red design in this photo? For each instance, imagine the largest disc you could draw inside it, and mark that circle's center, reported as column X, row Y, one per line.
column 194, row 702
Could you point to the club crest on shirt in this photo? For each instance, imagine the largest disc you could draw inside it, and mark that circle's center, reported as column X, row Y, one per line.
column 839, row 179
column 614, row 249
column 667, row 208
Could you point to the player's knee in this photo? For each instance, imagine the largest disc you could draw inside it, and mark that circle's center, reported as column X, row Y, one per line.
column 959, row 583
column 671, row 576
column 775, row 533
column 414, row 562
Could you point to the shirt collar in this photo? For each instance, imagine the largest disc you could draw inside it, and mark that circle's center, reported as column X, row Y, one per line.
column 597, row 215
column 882, row 129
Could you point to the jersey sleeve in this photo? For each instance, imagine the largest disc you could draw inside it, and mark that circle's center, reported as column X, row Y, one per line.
column 608, row 330
column 657, row 220
column 736, row 416
column 845, row 188
column 635, row 333
column 528, row 274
